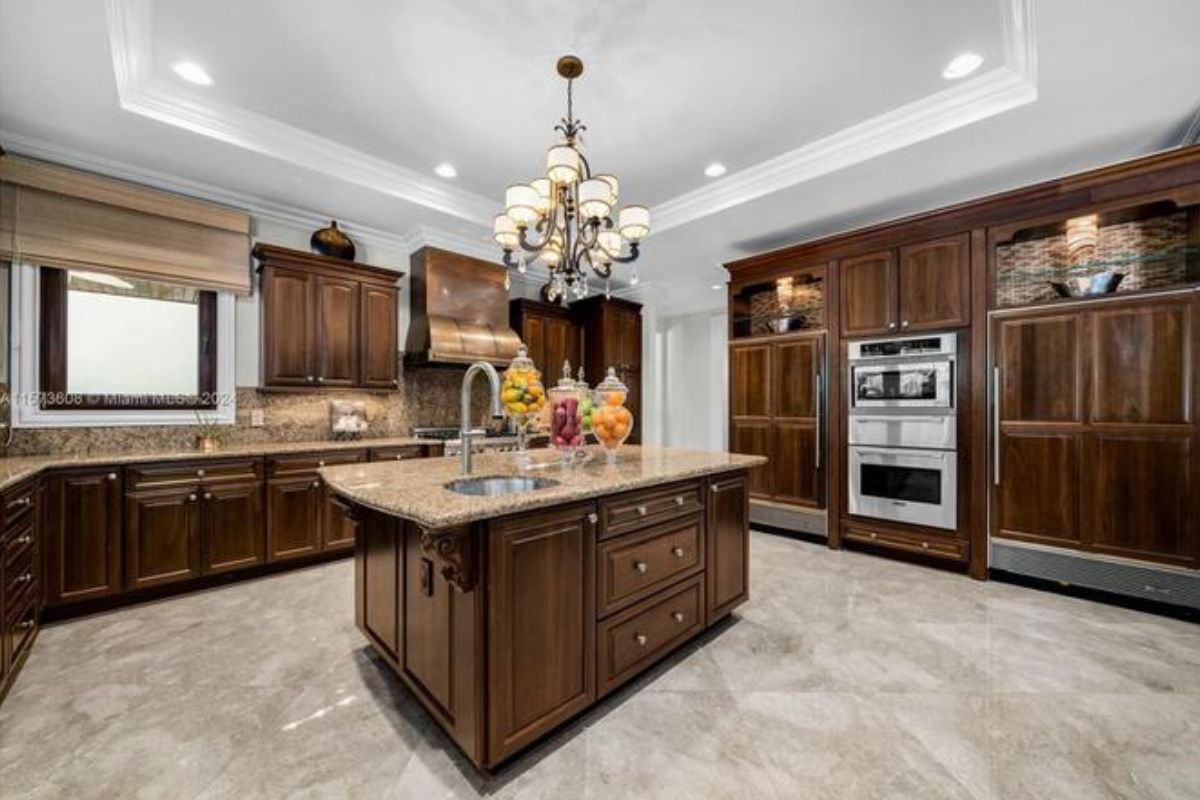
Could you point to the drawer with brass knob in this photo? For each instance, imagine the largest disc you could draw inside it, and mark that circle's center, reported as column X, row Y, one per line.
column 637, row 565
column 638, row 510
column 631, row 640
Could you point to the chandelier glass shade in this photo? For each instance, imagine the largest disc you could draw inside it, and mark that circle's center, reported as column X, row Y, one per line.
column 569, row 219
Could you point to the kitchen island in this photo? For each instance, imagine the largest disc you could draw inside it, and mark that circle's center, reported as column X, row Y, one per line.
column 507, row 614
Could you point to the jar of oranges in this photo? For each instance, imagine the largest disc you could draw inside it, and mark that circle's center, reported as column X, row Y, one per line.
column 611, row 420
column 523, row 396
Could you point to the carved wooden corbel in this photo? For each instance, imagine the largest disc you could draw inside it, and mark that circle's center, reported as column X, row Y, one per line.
column 454, row 550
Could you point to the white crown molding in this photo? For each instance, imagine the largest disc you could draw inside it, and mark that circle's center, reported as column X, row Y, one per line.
column 1192, row 134
column 130, row 35
column 1001, row 89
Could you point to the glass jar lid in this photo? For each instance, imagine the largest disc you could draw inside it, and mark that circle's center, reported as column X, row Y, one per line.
column 522, row 363
column 580, row 383
column 566, row 381
column 611, row 383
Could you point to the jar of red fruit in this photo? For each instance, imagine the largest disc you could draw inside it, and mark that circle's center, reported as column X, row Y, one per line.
column 566, row 419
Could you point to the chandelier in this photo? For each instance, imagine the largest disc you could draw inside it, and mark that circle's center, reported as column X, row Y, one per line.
column 569, row 219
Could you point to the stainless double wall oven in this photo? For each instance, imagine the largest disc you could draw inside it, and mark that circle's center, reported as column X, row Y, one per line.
column 902, row 430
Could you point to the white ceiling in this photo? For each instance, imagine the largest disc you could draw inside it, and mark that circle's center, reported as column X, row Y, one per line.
column 829, row 115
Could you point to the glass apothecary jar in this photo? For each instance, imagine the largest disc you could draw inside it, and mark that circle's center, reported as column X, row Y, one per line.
column 612, row 422
column 566, row 418
column 523, row 397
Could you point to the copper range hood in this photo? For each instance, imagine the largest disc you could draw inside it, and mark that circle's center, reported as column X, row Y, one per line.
column 459, row 311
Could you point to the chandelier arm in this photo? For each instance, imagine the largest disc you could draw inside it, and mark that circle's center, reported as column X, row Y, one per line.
column 633, row 255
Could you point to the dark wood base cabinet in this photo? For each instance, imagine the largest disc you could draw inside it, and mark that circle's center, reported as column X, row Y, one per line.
column 507, row 628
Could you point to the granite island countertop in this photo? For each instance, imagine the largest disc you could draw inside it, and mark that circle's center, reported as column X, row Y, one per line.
column 416, row 490
column 14, row 469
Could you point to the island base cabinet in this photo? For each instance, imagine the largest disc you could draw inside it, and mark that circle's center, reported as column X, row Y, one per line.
column 541, row 624
column 728, row 545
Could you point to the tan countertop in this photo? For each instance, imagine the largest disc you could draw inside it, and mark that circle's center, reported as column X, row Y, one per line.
column 417, row 492
column 18, row 468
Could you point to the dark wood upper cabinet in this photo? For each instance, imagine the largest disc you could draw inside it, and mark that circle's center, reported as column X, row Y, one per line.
column 935, row 284
column 326, row 322
column 750, row 380
column 868, row 290
column 1041, row 365
column 612, row 337
column 541, row 622
column 925, row 286
column 378, row 345
column 551, row 333
column 288, row 311
column 1142, row 364
column 337, row 331
column 82, row 535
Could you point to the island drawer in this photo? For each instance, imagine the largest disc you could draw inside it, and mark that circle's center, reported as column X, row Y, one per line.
column 19, row 567
column 639, row 636
column 17, row 503
column 175, row 473
column 307, row 463
column 938, row 545
column 20, row 626
column 639, row 564
column 636, row 510
column 398, row 453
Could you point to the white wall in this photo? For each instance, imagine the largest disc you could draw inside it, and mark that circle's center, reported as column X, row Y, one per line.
column 691, row 380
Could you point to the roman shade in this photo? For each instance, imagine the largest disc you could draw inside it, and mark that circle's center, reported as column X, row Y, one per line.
column 61, row 217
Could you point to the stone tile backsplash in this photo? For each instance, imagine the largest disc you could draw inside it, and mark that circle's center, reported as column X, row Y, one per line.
column 426, row 396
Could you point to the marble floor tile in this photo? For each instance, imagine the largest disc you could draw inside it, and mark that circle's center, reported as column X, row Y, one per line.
column 845, row 676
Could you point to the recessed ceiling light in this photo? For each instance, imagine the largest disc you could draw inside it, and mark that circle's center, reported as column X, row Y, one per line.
column 715, row 170
column 192, row 72
column 445, row 170
column 961, row 66
column 716, row 287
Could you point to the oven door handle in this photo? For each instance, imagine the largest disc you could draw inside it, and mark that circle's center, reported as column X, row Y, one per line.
column 940, row 417
column 909, row 454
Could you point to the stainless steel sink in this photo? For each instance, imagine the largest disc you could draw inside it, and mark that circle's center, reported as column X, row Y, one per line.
column 490, row 487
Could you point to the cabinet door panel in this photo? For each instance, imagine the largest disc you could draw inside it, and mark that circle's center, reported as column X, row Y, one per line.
column 339, row 524
column 728, row 545
column 378, row 565
column 557, row 348
column 234, row 535
column 337, row 331
column 750, row 376
column 541, row 624
column 428, row 628
column 1038, row 496
column 793, row 466
column 795, row 366
column 1140, row 497
column 83, row 536
column 288, row 327
column 868, row 294
column 293, row 517
column 379, row 362
column 754, row 439
column 533, row 334
column 1142, row 364
column 935, row 284
column 162, row 536
column 1041, row 368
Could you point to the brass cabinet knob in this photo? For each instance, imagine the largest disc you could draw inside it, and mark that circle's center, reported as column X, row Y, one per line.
column 925, row 545
column 874, row 535
column 891, row 326
column 192, row 497
column 677, row 616
column 641, row 510
column 714, row 488
column 26, row 539
column 677, row 551
column 641, row 566
column 316, row 484
column 112, row 476
column 26, row 501
column 679, row 501
column 26, row 624
column 309, row 378
column 208, row 495
column 592, row 518
column 26, row 578
column 320, row 379
column 904, row 324
column 641, row 639
column 400, row 456
column 320, row 463
column 199, row 473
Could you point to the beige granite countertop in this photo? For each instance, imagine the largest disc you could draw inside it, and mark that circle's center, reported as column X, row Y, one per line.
column 416, row 490
column 18, row 468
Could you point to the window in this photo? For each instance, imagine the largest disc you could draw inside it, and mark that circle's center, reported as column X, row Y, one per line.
column 110, row 342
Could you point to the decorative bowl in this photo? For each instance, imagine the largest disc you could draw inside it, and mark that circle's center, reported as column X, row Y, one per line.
column 1087, row 285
